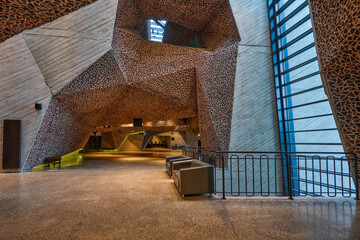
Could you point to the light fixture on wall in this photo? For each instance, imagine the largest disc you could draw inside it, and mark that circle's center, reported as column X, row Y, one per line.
column 38, row 106
column 137, row 122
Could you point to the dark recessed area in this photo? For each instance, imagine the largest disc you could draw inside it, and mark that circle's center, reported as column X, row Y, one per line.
column 162, row 31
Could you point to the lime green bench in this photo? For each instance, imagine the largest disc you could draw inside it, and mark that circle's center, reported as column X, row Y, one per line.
column 69, row 160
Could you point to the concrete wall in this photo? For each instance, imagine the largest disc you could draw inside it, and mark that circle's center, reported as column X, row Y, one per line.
column 35, row 64
column 107, row 140
column 254, row 120
column 178, row 140
column 21, row 85
column 132, row 143
column 64, row 48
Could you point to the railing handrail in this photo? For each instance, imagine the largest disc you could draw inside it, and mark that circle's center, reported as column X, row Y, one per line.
column 280, row 152
column 288, row 156
column 345, row 153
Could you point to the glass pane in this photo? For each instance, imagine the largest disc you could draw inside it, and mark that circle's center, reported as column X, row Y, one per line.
column 303, row 86
column 317, row 137
column 300, row 44
column 314, row 123
column 311, row 110
column 306, row 83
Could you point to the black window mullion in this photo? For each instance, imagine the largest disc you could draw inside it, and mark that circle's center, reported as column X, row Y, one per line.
column 307, row 104
column 309, row 117
column 295, row 40
column 329, row 144
column 277, row 65
column 300, row 65
column 304, row 91
column 298, row 52
column 285, row 6
column 272, row 5
column 302, row 78
column 314, row 130
column 293, row 13
column 298, row 24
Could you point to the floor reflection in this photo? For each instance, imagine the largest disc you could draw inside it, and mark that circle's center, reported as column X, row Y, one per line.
column 128, row 197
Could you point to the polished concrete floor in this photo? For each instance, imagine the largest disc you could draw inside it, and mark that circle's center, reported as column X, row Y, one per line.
column 131, row 197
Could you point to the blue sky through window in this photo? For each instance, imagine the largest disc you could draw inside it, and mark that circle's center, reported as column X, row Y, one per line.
column 157, row 30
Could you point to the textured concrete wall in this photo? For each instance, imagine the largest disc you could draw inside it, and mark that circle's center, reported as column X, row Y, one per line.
column 178, row 140
column 35, row 64
column 254, row 119
column 17, row 16
column 337, row 37
column 254, row 122
column 61, row 131
column 133, row 143
column 21, row 85
column 118, row 137
column 66, row 47
column 107, row 140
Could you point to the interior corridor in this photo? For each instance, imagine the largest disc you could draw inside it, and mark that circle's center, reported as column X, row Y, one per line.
column 130, row 196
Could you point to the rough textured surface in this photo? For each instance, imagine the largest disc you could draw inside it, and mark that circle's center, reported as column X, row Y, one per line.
column 157, row 82
column 119, row 132
column 118, row 137
column 38, row 62
column 337, row 38
column 133, row 143
column 18, row 15
column 104, row 97
column 107, row 140
column 142, row 62
column 131, row 197
column 54, row 137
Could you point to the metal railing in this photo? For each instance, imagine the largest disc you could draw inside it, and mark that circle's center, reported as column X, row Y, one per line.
column 266, row 174
column 196, row 152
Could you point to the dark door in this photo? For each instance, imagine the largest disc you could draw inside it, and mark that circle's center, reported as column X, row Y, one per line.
column 11, row 144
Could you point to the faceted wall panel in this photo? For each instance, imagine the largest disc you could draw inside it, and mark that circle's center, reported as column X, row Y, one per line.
column 154, row 81
column 118, row 137
column 214, row 61
column 19, row 15
column 337, row 36
column 148, row 135
column 67, row 46
column 107, row 140
column 36, row 63
column 62, row 131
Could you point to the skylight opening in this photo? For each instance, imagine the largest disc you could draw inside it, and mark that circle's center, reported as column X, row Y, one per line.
column 157, row 29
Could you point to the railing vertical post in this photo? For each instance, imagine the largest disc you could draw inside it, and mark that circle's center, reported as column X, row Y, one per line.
column 289, row 176
column 356, row 177
column 223, row 174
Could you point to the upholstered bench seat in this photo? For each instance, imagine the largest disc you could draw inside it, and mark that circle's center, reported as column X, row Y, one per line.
column 193, row 177
column 171, row 159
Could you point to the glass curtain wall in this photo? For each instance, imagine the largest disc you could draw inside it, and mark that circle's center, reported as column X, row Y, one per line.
column 306, row 121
